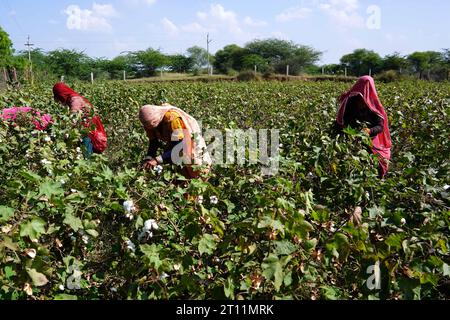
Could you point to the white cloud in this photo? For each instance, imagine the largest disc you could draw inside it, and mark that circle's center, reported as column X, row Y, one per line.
column 344, row 13
column 194, row 27
column 254, row 23
column 95, row 19
column 294, row 13
column 139, row 2
column 216, row 19
column 169, row 27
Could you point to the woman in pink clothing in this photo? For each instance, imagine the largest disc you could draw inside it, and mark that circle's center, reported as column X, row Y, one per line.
column 25, row 116
column 361, row 104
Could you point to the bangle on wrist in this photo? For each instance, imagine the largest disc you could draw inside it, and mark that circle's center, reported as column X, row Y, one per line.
column 148, row 158
column 159, row 159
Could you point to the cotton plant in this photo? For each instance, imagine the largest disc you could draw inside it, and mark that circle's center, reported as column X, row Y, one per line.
column 129, row 208
column 150, row 226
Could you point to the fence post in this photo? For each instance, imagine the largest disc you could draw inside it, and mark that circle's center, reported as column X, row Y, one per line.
column 5, row 76
column 370, row 72
column 287, row 71
column 92, row 77
column 62, row 78
column 124, row 75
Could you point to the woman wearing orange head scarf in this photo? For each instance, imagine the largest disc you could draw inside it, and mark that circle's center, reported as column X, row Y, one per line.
column 361, row 103
column 96, row 140
column 181, row 134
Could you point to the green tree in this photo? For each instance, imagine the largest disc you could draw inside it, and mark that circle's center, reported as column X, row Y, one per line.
column 146, row 63
column 395, row 62
column 446, row 60
column 361, row 61
column 180, row 63
column 70, row 63
column 6, row 48
column 249, row 62
column 229, row 58
column 426, row 61
column 119, row 64
column 199, row 57
column 280, row 53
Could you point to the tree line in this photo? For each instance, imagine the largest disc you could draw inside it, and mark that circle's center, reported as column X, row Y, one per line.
column 263, row 56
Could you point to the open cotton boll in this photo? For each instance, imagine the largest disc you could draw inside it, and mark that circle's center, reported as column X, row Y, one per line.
column 150, row 225
column 129, row 206
column 130, row 246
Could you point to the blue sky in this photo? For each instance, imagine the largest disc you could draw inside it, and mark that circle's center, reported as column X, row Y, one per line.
column 105, row 28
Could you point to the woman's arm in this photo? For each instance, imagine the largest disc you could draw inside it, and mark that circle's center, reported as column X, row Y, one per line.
column 377, row 126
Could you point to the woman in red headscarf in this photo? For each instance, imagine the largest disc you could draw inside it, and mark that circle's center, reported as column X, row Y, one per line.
column 96, row 141
column 361, row 104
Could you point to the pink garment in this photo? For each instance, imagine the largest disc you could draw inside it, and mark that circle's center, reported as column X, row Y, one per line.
column 151, row 116
column 40, row 122
column 382, row 143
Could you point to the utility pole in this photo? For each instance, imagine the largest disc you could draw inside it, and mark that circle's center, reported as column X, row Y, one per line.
column 208, row 41
column 29, row 45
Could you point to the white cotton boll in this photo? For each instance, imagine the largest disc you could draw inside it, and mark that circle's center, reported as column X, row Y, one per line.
column 403, row 221
column 332, row 227
column 130, row 246
column 177, row 267
column 45, row 161
column 128, row 206
column 163, row 276
column 446, row 187
column 61, row 287
column 6, row 229
column 200, row 199
column 47, row 139
column 85, row 239
column 129, row 216
column 31, row 253
column 214, row 200
column 73, row 190
column 78, row 149
column 62, row 181
column 150, row 225
column 158, row 169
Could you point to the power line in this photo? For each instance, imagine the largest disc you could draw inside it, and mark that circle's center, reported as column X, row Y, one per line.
column 13, row 16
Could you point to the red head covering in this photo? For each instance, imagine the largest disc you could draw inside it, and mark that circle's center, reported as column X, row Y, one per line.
column 365, row 87
column 64, row 94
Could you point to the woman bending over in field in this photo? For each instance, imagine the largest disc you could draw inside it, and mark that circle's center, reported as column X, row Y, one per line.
column 184, row 145
column 96, row 140
column 25, row 116
column 361, row 104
